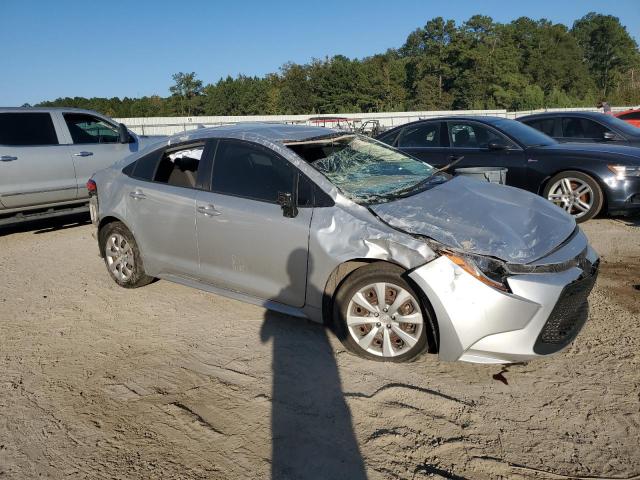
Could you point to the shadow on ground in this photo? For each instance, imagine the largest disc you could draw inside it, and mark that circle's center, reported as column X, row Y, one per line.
column 47, row 224
column 311, row 425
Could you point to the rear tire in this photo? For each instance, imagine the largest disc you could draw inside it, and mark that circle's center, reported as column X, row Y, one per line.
column 394, row 329
column 576, row 193
column 122, row 256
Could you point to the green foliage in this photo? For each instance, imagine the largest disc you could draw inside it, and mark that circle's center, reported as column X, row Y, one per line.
column 480, row 64
column 609, row 50
column 185, row 92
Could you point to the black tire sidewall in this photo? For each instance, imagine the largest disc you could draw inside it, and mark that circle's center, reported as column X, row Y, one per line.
column 357, row 280
column 598, row 200
column 139, row 277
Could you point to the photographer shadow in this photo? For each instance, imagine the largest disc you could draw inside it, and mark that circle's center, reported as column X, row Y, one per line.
column 311, row 425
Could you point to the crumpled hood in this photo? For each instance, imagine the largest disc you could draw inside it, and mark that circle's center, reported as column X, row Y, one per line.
column 483, row 218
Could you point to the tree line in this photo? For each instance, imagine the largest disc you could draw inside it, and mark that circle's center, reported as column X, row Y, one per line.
column 479, row 64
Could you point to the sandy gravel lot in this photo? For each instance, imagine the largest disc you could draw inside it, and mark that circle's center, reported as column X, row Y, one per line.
column 169, row 382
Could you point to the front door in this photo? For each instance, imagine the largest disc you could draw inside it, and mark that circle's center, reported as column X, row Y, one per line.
column 584, row 130
column 477, row 144
column 34, row 168
column 245, row 242
column 95, row 145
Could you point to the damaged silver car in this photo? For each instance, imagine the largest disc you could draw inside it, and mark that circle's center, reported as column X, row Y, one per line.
column 398, row 257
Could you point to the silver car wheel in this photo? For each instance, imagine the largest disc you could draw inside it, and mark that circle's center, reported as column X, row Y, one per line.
column 384, row 319
column 573, row 195
column 119, row 257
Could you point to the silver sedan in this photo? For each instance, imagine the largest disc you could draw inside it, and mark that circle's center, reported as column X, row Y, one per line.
column 396, row 256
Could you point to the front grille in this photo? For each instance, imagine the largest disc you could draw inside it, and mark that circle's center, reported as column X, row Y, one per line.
column 569, row 314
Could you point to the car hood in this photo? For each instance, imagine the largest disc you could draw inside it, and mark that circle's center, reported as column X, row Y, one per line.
column 593, row 149
column 482, row 218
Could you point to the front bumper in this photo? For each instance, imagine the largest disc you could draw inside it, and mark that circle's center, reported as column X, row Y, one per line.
column 542, row 315
column 623, row 194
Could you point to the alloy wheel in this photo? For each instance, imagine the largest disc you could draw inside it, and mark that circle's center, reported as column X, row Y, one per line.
column 573, row 195
column 384, row 319
column 119, row 257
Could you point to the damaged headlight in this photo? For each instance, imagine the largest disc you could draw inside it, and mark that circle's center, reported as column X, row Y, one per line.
column 489, row 271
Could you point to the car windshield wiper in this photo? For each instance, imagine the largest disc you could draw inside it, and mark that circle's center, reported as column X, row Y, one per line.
column 425, row 180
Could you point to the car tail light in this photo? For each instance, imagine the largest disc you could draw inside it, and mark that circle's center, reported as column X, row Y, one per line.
column 92, row 188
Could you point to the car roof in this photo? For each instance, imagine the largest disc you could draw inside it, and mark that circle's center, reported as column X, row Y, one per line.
column 631, row 110
column 47, row 109
column 274, row 132
column 477, row 118
column 565, row 113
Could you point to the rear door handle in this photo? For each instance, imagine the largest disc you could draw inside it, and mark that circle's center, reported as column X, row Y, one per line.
column 8, row 158
column 137, row 195
column 208, row 210
column 83, row 154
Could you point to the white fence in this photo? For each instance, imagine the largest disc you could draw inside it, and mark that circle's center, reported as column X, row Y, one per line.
column 172, row 125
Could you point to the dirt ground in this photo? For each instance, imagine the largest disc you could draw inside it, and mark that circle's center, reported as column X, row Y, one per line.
column 169, row 382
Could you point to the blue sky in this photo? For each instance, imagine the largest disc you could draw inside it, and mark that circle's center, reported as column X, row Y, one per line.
column 51, row 49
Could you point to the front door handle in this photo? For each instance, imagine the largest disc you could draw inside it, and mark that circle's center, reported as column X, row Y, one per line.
column 8, row 158
column 208, row 210
column 137, row 195
column 83, row 154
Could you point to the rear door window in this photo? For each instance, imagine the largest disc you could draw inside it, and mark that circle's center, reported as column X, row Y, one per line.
column 89, row 129
column 27, row 129
column 179, row 167
column 251, row 171
column 421, row 135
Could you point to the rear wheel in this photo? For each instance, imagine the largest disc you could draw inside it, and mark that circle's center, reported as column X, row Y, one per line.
column 379, row 316
column 122, row 256
column 577, row 193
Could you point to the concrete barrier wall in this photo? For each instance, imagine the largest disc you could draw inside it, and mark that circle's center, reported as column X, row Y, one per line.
column 173, row 125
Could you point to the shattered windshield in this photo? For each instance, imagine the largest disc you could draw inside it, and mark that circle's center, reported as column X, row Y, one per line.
column 364, row 169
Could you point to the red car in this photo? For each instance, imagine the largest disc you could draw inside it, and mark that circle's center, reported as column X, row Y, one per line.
column 630, row 116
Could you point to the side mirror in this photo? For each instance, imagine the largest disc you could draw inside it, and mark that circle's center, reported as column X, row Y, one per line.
column 289, row 208
column 609, row 136
column 123, row 133
column 497, row 146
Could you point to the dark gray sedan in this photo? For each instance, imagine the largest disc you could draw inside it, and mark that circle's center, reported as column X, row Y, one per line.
column 584, row 127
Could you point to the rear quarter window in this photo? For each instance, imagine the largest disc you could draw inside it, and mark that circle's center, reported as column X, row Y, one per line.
column 145, row 167
column 390, row 137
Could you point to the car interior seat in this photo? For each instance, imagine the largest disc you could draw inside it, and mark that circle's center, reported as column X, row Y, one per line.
column 462, row 138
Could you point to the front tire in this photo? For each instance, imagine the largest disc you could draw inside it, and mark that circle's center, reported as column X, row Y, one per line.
column 378, row 315
column 122, row 256
column 576, row 193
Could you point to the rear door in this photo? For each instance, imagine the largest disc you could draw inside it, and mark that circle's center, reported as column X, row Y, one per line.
column 246, row 244
column 161, row 202
column 472, row 140
column 427, row 141
column 95, row 144
column 35, row 169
